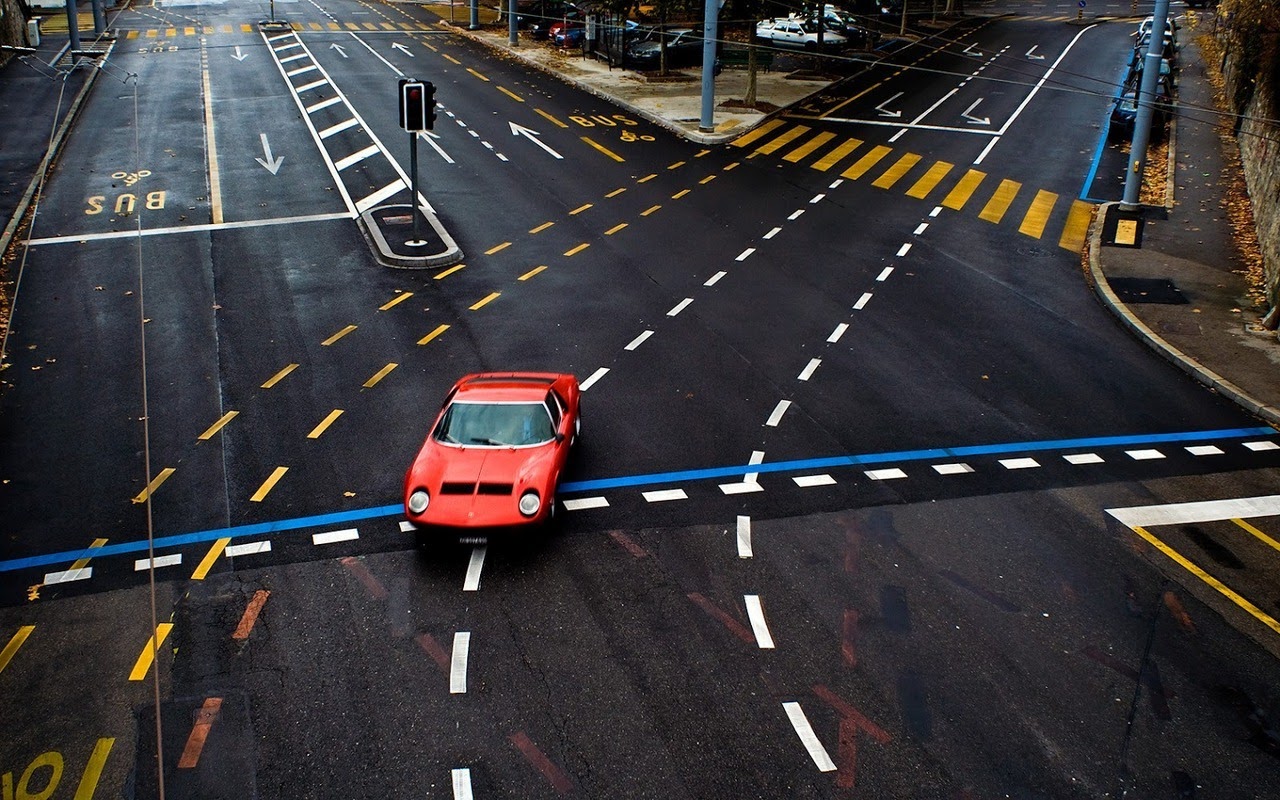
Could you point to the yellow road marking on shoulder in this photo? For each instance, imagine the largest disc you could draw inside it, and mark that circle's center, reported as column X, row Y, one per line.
column 148, row 654
column 963, row 190
column 393, row 302
column 449, row 271
column 649, row 210
column 497, row 248
column 451, row 58
column 615, row 229
column 893, row 174
column 268, row 484
column 578, row 249
column 999, row 203
column 379, row 375
column 1076, row 228
column 160, row 478
column 329, row 419
column 930, row 179
column 210, row 145
column 489, row 298
column 773, row 145
column 11, row 649
column 750, row 136
column 1037, row 216
column 279, row 376
column 549, row 117
column 477, row 74
column 531, row 273
column 579, row 209
column 869, row 160
column 511, row 94
column 542, row 227
column 206, row 563
column 1262, row 537
column 338, row 335
column 439, row 330
column 1218, row 585
column 803, row 151
column 841, row 150
column 604, row 150
column 217, row 426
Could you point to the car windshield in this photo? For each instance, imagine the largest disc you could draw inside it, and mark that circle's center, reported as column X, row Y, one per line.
column 495, row 424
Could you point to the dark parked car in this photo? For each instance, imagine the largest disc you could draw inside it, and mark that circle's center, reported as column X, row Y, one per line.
column 684, row 49
column 845, row 24
column 536, row 17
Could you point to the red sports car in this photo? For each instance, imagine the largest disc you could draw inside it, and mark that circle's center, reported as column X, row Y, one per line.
column 495, row 453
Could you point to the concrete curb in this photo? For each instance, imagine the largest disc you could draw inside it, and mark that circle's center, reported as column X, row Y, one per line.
column 386, row 254
column 1211, row 379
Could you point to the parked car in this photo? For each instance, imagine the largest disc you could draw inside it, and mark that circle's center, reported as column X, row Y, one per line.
column 1124, row 112
column 684, row 48
column 495, row 452
column 567, row 32
column 796, row 32
column 535, row 17
column 847, row 25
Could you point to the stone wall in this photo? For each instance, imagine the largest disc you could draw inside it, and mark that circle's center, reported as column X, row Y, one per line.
column 13, row 27
column 1259, row 141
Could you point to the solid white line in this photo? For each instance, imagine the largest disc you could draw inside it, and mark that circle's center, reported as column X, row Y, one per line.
column 311, row 109
column 809, row 369
column 1019, row 463
column 906, row 248
column 1205, row 450
column 795, row 215
column 338, row 128
column 595, row 376
column 773, row 233
column 1144, row 455
column 714, row 279
column 159, row 561
column 249, row 549
column 862, row 301
column 306, row 87
column 472, row 582
column 745, row 254
column 808, row 738
column 1084, row 458
column 778, row 411
column 208, row 226
column 755, row 613
column 952, row 469
column 1205, row 511
column 681, row 306
column 356, row 157
column 584, row 503
column 744, row 537
column 817, row 199
column 893, row 473
column 335, row 536
column 744, row 487
column 382, row 194
column 809, row 481
column 1257, row 446
column 838, row 332
column 67, row 576
column 884, row 274
column 639, row 340
column 664, row 495
column 462, row 784
column 757, row 457
column 458, row 666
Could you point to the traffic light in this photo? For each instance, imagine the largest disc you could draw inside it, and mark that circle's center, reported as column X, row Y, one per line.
column 417, row 105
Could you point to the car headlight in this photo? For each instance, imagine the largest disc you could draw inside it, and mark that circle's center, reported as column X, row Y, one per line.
column 419, row 500
column 530, row 503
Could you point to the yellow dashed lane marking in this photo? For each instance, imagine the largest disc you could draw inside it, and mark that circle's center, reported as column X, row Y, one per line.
column 1262, row 537
column 604, row 150
column 393, row 302
column 477, row 74
column 578, row 249
column 676, row 165
column 615, row 229
column 531, row 273
column 616, row 192
column 269, row 484
column 497, row 248
column 549, row 117
column 1037, row 216
column 217, row 426
column 439, row 330
column 1000, row 201
column 511, row 94
column 542, row 227
column 160, row 478
column 379, row 375
column 11, row 649
column 279, row 376
column 319, row 430
column 579, row 209
column 679, row 194
column 338, row 335
column 448, row 272
column 148, row 655
column 486, row 301
column 649, row 210
column 206, row 563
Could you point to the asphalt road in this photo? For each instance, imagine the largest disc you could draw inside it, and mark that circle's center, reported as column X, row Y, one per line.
column 841, row 520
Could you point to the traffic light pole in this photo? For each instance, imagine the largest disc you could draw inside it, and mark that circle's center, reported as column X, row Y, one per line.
column 417, row 240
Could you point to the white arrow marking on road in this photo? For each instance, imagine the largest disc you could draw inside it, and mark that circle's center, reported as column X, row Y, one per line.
column 968, row 52
column 342, row 51
column 430, row 138
column 238, row 55
column 403, row 49
column 972, row 120
column 272, row 164
column 531, row 135
column 1034, row 57
column 886, row 113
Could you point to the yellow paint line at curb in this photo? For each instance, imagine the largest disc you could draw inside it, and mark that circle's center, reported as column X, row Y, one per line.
column 268, row 484
column 329, row 419
column 338, row 335
column 395, row 301
column 379, row 375
column 148, row 654
column 1218, row 585
column 486, row 301
column 439, row 330
column 160, row 478
column 206, row 563
column 279, row 376
column 217, row 426
column 531, row 273
column 11, row 649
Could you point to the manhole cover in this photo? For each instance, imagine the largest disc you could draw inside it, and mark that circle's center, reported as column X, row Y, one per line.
column 1147, row 290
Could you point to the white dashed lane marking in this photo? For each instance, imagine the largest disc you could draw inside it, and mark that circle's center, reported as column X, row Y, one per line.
column 584, row 503
column 665, row 495
column 778, row 411
column 595, row 376
column 1084, row 458
column 755, row 613
column 332, row 537
column 808, row 481
column 1019, row 463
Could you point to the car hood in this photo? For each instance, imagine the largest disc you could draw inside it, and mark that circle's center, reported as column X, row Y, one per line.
column 449, row 469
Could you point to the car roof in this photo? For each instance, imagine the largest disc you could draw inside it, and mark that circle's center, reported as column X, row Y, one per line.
column 497, row 387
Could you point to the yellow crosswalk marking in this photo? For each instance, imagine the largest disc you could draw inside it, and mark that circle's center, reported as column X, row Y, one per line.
column 246, row 28
column 1077, row 227
column 131, row 35
column 1000, row 201
column 783, row 140
column 1038, row 215
column 843, row 149
column 865, row 163
column 750, row 136
column 960, row 194
column 387, row 26
column 893, row 174
column 920, row 190
column 333, row 26
column 803, row 151
column 224, row 29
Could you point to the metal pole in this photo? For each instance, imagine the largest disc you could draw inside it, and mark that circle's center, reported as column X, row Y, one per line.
column 475, row 16
column 413, row 196
column 711, row 15
column 99, row 18
column 1146, row 97
column 73, row 24
column 511, row 23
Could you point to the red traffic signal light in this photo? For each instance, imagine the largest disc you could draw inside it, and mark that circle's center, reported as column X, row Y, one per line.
column 417, row 105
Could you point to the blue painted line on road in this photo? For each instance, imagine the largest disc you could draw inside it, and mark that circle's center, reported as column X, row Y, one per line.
column 1087, row 188
column 679, row 476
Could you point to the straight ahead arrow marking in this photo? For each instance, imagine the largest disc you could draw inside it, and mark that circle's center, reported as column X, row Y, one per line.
column 238, row 55
column 532, row 135
column 272, row 164
column 403, row 49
